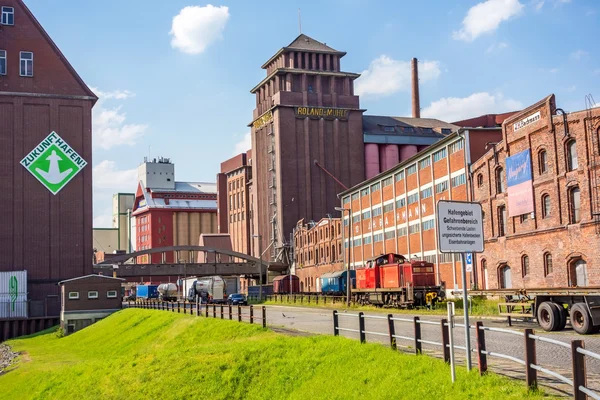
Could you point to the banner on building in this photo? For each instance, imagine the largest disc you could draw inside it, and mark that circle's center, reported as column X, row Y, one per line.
column 519, row 183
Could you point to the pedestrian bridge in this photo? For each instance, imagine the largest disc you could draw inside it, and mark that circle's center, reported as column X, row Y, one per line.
column 215, row 262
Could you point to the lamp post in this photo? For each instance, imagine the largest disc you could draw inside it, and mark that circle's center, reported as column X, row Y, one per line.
column 259, row 237
column 348, row 281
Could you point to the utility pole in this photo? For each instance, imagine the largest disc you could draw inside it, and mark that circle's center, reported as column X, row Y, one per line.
column 260, row 267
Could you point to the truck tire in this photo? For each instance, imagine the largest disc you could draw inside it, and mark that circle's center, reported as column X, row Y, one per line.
column 563, row 314
column 548, row 316
column 581, row 320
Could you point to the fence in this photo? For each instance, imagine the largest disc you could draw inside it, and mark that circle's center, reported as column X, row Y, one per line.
column 529, row 361
column 209, row 310
column 302, row 298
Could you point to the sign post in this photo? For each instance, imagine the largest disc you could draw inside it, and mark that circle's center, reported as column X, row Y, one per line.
column 460, row 230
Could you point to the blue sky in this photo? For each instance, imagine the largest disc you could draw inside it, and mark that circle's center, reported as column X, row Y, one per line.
column 174, row 81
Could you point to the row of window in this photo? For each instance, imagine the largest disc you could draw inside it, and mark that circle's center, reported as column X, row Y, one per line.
column 8, row 16
column 26, row 63
column 93, row 294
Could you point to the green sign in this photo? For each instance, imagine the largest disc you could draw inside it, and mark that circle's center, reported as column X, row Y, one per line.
column 13, row 289
column 53, row 162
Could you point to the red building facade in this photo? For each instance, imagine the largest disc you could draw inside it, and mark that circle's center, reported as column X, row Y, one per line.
column 48, row 235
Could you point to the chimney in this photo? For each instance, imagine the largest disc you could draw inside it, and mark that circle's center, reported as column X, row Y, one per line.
column 416, row 105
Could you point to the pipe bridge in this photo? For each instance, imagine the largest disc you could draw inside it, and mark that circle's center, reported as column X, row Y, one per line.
column 214, row 262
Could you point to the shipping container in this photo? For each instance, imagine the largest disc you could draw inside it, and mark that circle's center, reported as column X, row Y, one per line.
column 13, row 282
column 146, row 291
column 13, row 294
column 232, row 284
column 13, row 307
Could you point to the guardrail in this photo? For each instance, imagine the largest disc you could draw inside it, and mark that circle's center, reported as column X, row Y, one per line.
column 532, row 367
column 191, row 306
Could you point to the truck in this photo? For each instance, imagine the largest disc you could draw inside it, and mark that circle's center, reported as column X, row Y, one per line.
column 208, row 289
column 551, row 307
column 146, row 291
column 167, row 292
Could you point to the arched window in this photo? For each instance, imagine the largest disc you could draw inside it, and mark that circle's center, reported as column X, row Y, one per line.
column 547, row 264
column 505, row 278
column 574, row 205
column 525, row 265
column 543, row 161
column 546, row 206
column 501, row 221
column 572, row 163
column 484, row 275
column 333, row 255
column 479, row 180
column 499, row 181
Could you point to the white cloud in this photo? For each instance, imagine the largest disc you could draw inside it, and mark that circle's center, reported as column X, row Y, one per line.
column 538, row 5
column 195, row 28
column 243, row 145
column 453, row 109
column 496, row 47
column 485, row 17
column 578, row 54
column 553, row 70
column 386, row 76
column 107, row 176
column 108, row 124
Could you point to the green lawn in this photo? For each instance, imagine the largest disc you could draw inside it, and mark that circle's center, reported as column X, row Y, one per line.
column 146, row 354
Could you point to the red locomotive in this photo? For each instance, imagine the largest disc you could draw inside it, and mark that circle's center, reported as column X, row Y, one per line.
column 393, row 281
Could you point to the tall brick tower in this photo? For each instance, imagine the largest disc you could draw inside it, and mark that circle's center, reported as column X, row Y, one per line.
column 306, row 111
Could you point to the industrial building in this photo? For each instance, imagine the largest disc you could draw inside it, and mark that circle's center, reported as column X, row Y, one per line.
column 121, row 236
column 46, row 136
column 171, row 213
column 310, row 140
column 553, row 241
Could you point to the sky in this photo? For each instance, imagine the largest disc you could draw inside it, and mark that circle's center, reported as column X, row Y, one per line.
column 174, row 77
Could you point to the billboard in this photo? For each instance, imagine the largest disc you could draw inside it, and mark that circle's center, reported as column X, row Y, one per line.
column 519, row 183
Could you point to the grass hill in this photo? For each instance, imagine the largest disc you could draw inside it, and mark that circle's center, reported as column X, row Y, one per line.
column 146, row 354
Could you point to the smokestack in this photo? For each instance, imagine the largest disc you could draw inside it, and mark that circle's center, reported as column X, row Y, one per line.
column 416, row 104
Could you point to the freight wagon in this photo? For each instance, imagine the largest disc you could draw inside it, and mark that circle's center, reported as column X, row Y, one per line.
column 281, row 284
column 391, row 280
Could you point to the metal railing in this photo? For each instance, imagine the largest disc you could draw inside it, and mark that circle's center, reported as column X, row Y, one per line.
column 207, row 310
column 529, row 361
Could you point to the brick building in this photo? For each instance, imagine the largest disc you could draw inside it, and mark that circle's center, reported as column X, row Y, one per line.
column 395, row 210
column 49, row 235
column 557, row 244
column 170, row 213
column 317, row 250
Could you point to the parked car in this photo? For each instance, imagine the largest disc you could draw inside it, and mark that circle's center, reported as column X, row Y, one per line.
column 237, row 299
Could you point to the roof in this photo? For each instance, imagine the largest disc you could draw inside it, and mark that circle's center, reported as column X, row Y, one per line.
column 191, row 187
column 90, row 276
column 485, row 121
column 180, row 187
column 425, row 131
column 333, row 274
column 282, row 277
column 305, row 43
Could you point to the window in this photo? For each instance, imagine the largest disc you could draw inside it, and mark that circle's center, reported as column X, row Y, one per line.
column 377, row 211
column 499, row 181
column 2, row 62
column 456, row 146
column 399, row 176
column 574, row 205
column 441, row 187
column 366, row 214
column 92, row 294
column 445, row 258
column 375, row 187
column 438, row 155
column 572, row 163
column 378, row 237
column 26, row 63
column 543, row 161
column 501, row 221
column 355, row 218
column 459, row 180
column 408, row 129
column 524, row 217
column 427, row 130
column 73, row 295
column 479, row 180
column 427, row 225
column 355, row 196
column 414, row 228
column 111, row 294
column 547, row 264
column 389, row 129
column 367, row 240
column 8, row 16
column 345, row 221
column 424, row 163
column 346, row 200
column 425, row 193
column 411, row 170
column 525, row 265
column 364, row 192
column 413, row 198
column 388, row 181
column 388, row 207
column 446, row 131
column 401, row 203
column 389, row 234
column 357, row 242
column 546, row 206
column 402, row 231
